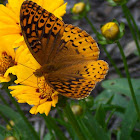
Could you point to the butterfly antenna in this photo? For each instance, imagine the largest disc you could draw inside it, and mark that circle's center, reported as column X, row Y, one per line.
column 27, row 66
column 26, row 79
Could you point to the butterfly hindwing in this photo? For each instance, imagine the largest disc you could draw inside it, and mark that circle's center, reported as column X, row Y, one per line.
column 78, row 80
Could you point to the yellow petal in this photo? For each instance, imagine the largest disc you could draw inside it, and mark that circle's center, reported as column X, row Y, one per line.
column 59, row 12
column 4, row 11
column 44, row 108
column 15, row 6
column 6, row 47
column 55, row 100
column 33, row 110
column 7, row 20
column 51, row 6
column 9, row 29
column 4, row 79
column 19, row 42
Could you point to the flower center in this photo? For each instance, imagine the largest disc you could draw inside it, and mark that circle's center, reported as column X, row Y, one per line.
column 6, row 61
column 45, row 90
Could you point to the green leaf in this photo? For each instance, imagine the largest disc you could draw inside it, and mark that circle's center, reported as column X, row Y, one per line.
column 129, row 121
column 101, row 37
column 103, row 42
column 87, row 7
column 89, row 102
column 135, row 135
column 103, row 98
column 71, row 119
column 48, row 136
column 76, row 17
column 94, row 128
column 53, row 128
column 122, row 27
column 1, row 137
column 85, row 129
column 111, row 100
column 68, row 128
column 20, row 126
column 136, row 53
column 114, row 20
column 112, row 3
column 3, row 131
column 121, row 85
column 100, row 115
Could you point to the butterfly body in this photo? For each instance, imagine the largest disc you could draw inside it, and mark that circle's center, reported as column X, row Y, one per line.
column 67, row 55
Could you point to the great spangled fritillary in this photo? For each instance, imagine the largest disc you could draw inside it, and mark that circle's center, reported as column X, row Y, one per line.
column 67, row 54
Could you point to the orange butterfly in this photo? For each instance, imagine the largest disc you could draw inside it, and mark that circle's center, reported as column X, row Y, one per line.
column 67, row 55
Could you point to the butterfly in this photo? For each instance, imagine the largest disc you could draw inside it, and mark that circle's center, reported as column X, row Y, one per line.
column 67, row 54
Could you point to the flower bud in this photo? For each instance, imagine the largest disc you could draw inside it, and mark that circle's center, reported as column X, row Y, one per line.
column 110, row 30
column 77, row 110
column 10, row 138
column 8, row 126
column 78, row 8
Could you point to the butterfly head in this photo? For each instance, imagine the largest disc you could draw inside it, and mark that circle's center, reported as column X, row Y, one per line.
column 38, row 73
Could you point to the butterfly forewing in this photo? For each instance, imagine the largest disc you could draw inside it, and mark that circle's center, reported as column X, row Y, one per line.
column 41, row 30
column 67, row 53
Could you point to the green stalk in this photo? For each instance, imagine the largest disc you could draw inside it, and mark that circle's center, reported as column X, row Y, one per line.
column 129, row 78
column 6, row 120
column 110, row 116
column 133, row 21
column 22, row 114
column 73, row 122
column 52, row 126
column 131, row 28
column 108, row 55
column 111, row 60
column 92, row 26
column 3, row 100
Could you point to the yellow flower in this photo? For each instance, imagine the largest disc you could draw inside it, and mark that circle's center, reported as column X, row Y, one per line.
column 10, row 18
column 32, row 90
column 7, row 59
column 78, row 8
column 110, row 30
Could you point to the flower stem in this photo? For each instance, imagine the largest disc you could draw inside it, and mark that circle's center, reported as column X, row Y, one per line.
column 133, row 21
column 131, row 28
column 6, row 120
column 22, row 114
column 53, row 127
column 74, row 123
column 110, row 116
column 3, row 100
column 129, row 79
column 105, row 50
column 111, row 60
column 92, row 26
